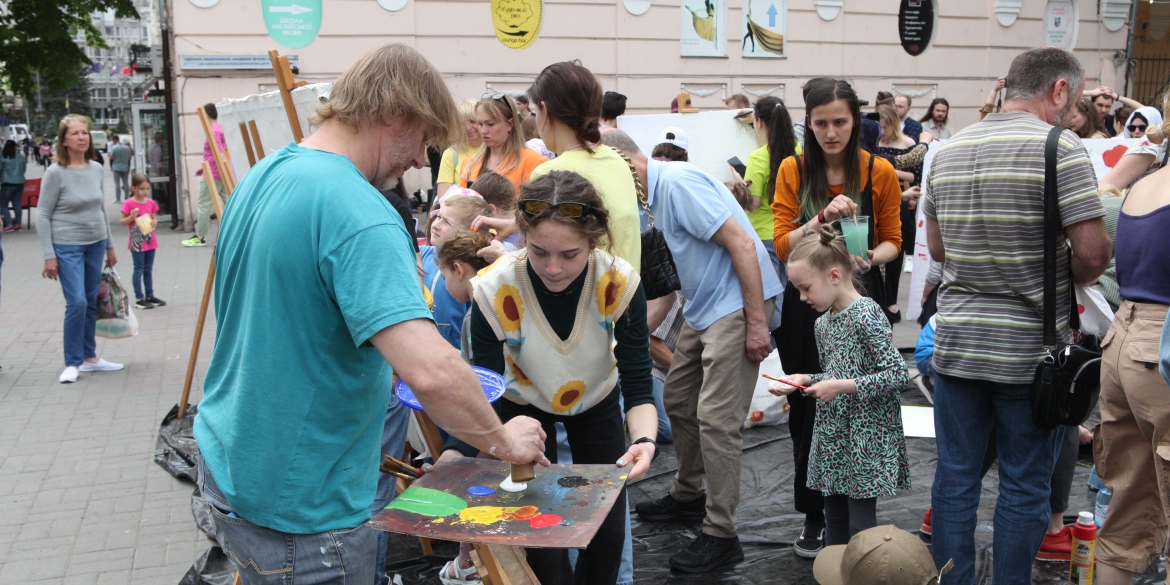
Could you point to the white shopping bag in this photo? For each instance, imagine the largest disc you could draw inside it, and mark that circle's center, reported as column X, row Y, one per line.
column 767, row 409
column 1096, row 314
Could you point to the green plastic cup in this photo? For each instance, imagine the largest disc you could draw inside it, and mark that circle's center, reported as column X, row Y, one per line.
column 856, row 232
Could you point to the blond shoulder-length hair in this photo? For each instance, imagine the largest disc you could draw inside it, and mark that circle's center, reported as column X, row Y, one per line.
column 391, row 82
column 502, row 110
column 891, row 125
column 467, row 113
column 61, row 154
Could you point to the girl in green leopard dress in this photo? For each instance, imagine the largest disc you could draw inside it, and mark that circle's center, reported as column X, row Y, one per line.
column 858, row 449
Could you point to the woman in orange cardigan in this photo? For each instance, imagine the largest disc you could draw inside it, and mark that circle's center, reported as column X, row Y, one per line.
column 834, row 178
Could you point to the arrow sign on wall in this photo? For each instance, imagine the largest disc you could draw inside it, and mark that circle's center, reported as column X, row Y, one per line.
column 772, row 15
column 294, row 9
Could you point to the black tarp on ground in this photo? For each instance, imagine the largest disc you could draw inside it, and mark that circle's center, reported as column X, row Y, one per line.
column 768, row 523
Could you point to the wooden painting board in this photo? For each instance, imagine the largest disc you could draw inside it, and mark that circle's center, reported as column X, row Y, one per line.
column 562, row 508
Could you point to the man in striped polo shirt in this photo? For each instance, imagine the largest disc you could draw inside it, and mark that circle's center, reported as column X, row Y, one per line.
column 985, row 221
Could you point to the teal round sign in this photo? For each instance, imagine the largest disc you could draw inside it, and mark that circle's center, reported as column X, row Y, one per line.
column 292, row 23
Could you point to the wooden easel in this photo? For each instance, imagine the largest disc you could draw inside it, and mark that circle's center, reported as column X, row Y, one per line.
column 496, row 564
column 229, row 184
column 286, row 82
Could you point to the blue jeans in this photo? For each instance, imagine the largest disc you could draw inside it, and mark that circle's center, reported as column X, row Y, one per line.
column 80, row 271
column 393, row 440
column 143, row 273
column 265, row 556
column 121, row 185
column 10, row 194
column 965, row 412
column 664, row 434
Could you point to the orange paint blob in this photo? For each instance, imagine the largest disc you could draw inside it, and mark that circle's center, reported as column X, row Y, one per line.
column 526, row 513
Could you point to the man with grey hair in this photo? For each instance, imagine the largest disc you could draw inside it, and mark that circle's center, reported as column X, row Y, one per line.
column 985, row 210
column 731, row 291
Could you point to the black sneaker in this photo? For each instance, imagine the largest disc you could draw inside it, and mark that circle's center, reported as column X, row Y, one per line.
column 143, row 304
column 707, row 553
column 156, row 301
column 812, row 538
column 668, row 508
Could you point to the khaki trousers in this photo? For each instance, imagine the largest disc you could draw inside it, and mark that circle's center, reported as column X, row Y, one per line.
column 707, row 396
column 1132, row 447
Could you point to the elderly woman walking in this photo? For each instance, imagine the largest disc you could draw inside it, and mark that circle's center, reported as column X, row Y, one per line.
column 75, row 234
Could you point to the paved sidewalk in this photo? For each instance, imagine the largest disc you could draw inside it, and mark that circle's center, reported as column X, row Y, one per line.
column 81, row 500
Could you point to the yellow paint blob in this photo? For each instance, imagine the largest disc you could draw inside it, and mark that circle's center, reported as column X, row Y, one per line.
column 486, row 514
column 623, row 477
column 438, row 520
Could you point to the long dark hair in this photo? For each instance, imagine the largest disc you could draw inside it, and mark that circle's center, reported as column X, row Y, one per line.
column 9, row 149
column 772, row 113
column 814, row 180
column 930, row 111
column 570, row 93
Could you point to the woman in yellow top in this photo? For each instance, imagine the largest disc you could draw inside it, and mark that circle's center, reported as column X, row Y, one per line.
column 567, row 99
column 454, row 156
column 774, row 127
column 503, row 143
column 834, row 178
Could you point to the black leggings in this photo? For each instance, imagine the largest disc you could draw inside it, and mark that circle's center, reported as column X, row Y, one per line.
column 797, row 347
column 596, row 436
column 845, row 516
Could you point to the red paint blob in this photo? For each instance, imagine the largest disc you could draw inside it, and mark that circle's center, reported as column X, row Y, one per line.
column 545, row 520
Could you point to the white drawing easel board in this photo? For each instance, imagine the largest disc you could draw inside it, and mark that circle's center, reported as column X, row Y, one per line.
column 267, row 110
column 714, row 137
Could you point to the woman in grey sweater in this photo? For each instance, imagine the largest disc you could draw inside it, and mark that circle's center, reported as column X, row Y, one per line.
column 75, row 233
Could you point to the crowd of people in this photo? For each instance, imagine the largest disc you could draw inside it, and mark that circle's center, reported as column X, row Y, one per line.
column 542, row 261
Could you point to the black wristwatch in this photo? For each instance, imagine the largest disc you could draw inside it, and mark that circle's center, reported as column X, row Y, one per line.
column 648, row 440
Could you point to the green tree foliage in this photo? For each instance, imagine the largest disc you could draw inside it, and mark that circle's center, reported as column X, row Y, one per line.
column 37, row 36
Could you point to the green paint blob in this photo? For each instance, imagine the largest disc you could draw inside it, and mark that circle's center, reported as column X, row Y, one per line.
column 427, row 502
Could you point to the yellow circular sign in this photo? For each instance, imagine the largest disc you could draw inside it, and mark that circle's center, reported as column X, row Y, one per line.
column 517, row 22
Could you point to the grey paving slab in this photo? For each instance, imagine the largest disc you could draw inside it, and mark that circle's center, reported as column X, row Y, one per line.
column 81, row 501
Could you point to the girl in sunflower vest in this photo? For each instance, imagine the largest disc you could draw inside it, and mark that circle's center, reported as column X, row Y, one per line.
column 562, row 320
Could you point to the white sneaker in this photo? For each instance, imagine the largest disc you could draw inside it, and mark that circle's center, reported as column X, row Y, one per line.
column 100, row 366
column 69, row 375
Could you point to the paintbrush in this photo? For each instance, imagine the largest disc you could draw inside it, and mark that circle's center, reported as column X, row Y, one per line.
column 783, row 381
column 396, row 465
column 398, row 475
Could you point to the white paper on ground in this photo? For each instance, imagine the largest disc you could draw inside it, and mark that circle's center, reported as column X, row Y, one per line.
column 918, row 421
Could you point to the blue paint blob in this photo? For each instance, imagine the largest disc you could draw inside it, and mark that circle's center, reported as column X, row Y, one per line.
column 480, row 490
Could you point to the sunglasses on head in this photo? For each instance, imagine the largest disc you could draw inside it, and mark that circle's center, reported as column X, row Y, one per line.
column 568, row 210
column 1135, row 128
column 489, row 95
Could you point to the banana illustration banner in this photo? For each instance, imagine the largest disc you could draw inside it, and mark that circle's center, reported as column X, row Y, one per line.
column 704, row 28
column 765, row 27
column 517, row 22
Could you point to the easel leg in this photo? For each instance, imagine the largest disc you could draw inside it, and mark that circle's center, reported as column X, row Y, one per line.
column 207, row 288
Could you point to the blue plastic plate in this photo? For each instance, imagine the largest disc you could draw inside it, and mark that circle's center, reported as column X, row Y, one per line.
column 492, row 383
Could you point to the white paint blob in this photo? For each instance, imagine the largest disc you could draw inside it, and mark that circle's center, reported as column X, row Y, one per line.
column 510, row 486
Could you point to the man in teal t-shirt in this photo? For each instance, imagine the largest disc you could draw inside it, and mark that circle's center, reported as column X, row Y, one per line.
column 316, row 290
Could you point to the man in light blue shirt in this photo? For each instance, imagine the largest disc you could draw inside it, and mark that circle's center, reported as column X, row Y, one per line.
column 316, row 298
column 731, row 291
column 120, row 155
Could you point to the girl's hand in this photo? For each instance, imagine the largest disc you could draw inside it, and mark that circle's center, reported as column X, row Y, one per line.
column 492, row 252
column 827, row 390
column 785, row 389
column 111, row 258
column 911, row 195
column 50, row 270
column 839, row 207
column 133, row 214
column 448, row 456
column 504, row 227
column 640, row 455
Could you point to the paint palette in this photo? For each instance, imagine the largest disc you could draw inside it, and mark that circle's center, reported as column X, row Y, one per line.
column 492, row 383
column 462, row 501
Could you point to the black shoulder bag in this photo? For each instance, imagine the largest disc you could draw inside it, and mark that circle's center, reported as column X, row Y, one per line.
column 659, row 275
column 1068, row 378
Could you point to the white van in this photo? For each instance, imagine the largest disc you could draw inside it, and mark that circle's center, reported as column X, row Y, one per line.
column 100, row 140
column 17, row 132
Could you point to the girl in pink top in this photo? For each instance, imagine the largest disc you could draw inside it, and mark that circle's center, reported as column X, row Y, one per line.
column 143, row 240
